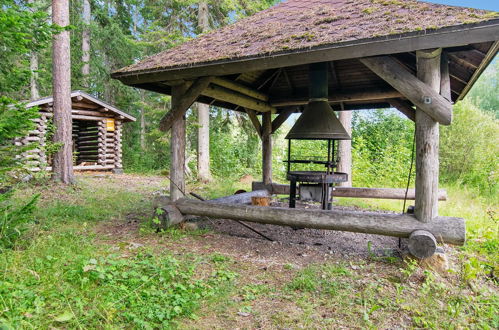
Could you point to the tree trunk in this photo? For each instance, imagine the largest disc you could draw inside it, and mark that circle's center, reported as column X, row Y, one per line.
column 267, row 147
column 345, row 149
column 427, row 140
column 61, row 85
column 204, row 173
column 142, row 122
column 85, row 44
column 33, row 67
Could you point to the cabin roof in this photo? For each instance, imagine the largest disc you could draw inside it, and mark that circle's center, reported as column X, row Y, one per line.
column 85, row 99
column 296, row 25
column 270, row 51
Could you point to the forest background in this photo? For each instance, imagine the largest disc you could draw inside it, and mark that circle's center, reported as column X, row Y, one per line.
column 121, row 32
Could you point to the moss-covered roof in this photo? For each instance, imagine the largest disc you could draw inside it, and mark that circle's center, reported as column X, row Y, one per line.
column 304, row 24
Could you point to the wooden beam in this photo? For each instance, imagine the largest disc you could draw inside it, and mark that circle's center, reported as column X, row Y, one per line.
column 354, row 192
column 227, row 95
column 256, row 123
column 427, row 141
column 358, row 96
column 396, row 43
column 445, row 89
column 184, row 102
column 280, row 119
column 418, row 92
column 445, row 229
column 491, row 54
column 240, row 88
column 267, row 147
column 405, row 107
column 177, row 146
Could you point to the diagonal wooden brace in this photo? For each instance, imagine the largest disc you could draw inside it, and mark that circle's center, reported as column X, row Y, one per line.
column 184, row 103
column 419, row 93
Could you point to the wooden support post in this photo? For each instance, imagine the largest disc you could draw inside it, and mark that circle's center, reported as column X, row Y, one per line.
column 117, row 146
column 427, row 140
column 267, row 147
column 345, row 148
column 177, row 178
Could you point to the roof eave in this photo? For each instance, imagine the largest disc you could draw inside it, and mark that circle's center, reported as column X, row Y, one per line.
column 445, row 37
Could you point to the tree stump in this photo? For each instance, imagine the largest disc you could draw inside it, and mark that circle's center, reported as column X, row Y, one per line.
column 260, row 201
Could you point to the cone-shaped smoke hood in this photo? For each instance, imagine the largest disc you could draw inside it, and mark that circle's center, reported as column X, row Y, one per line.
column 318, row 121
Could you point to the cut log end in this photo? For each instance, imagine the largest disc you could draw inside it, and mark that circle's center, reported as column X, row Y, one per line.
column 422, row 244
column 166, row 214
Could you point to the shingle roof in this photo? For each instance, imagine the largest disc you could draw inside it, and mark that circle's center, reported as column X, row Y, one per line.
column 305, row 24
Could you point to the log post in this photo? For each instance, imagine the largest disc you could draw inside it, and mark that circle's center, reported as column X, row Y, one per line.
column 267, row 147
column 427, row 140
column 177, row 178
column 345, row 149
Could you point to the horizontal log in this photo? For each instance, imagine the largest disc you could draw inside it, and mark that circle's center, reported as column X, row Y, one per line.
column 92, row 118
column 226, row 95
column 444, row 229
column 353, row 192
column 240, row 88
column 419, row 93
column 244, row 198
column 338, row 97
column 89, row 113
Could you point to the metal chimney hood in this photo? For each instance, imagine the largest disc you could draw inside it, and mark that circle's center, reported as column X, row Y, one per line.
column 318, row 121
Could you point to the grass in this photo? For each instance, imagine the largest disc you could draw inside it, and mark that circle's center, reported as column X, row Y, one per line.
column 68, row 273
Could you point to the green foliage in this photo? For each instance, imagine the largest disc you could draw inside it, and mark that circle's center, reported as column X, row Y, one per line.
column 381, row 149
column 14, row 220
column 485, row 92
column 22, row 30
column 469, row 150
column 15, row 122
column 66, row 282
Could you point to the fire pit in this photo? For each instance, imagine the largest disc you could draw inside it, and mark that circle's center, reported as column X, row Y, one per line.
column 317, row 122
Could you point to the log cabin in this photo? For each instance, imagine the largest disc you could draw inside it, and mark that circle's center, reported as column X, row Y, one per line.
column 414, row 56
column 97, row 134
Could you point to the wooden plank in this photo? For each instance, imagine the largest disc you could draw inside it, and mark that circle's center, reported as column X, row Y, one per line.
column 240, row 88
column 418, row 92
column 184, row 102
column 445, row 229
column 427, row 141
column 254, row 120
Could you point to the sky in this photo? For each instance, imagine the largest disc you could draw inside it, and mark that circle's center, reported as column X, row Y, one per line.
column 481, row 4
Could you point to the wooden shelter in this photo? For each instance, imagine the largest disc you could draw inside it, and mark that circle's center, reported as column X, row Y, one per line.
column 97, row 132
column 415, row 56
